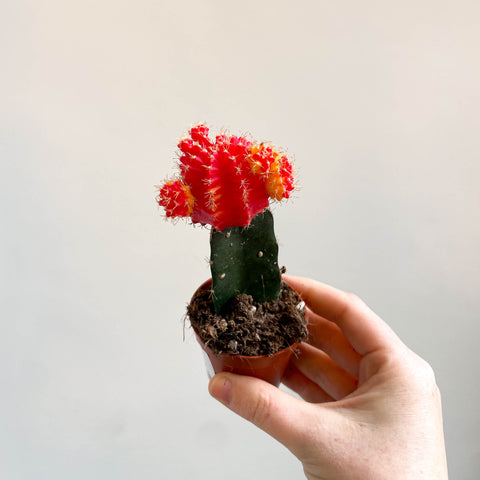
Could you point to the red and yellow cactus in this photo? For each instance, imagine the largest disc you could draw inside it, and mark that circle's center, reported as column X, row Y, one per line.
column 227, row 182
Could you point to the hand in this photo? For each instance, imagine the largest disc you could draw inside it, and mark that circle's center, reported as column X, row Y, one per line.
column 372, row 409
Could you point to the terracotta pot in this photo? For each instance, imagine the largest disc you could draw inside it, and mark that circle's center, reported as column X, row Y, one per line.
column 268, row 368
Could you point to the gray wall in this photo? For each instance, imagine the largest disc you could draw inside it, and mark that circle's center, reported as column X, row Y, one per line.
column 378, row 104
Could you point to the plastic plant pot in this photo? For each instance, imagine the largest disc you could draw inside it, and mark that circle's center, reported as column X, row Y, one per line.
column 268, row 368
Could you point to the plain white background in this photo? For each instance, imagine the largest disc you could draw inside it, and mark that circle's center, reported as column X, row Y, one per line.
column 378, row 104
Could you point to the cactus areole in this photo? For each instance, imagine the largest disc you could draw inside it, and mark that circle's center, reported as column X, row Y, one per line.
column 228, row 184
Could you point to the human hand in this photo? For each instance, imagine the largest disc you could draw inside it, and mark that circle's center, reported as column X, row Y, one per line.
column 372, row 409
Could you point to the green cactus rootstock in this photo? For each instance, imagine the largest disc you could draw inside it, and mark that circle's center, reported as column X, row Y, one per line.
column 245, row 260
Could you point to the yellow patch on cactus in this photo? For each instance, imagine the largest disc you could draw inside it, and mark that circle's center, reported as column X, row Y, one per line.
column 190, row 200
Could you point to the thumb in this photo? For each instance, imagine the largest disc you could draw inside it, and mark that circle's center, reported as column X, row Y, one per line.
column 280, row 415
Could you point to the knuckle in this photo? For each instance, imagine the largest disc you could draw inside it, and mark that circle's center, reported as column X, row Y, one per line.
column 428, row 381
column 424, row 375
column 353, row 302
column 353, row 298
column 261, row 409
column 428, row 372
column 349, row 301
column 425, row 371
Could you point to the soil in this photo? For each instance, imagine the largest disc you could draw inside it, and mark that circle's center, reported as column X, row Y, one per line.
column 245, row 327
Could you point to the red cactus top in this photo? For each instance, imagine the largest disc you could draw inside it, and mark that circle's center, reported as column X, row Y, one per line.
column 227, row 182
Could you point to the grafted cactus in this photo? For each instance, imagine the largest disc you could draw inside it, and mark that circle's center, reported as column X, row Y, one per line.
column 228, row 184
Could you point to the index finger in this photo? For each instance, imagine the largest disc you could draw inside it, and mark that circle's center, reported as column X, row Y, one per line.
column 363, row 328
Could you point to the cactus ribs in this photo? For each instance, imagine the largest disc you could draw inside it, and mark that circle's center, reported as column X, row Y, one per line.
column 227, row 182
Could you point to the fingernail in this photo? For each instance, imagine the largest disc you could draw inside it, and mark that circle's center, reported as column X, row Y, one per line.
column 220, row 388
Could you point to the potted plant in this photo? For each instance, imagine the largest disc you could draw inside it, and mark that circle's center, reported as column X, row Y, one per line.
column 245, row 317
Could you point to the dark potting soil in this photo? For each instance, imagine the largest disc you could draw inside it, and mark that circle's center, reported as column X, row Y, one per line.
column 245, row 327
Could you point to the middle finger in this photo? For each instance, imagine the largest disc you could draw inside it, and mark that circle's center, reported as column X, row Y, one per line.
column 328, row 337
